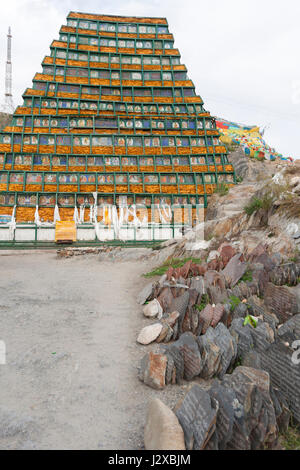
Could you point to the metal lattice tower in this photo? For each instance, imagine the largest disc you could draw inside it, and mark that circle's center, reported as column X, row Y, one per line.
column 8, row 106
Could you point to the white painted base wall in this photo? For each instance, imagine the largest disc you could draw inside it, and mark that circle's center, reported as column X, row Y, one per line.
column 46, row 235
column 28, row 232
column 86, row 234
column 24, row 234
column 4, row 235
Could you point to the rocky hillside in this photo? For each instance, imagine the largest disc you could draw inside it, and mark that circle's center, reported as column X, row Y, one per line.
column 225, row 317
column 263, row 208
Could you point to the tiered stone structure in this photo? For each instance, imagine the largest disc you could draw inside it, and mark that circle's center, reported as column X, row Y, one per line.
column 112, row 118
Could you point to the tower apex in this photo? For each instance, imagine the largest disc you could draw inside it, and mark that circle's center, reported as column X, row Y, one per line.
column 8, row 106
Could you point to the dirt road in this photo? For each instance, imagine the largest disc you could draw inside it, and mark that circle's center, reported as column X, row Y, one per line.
column 70, row 328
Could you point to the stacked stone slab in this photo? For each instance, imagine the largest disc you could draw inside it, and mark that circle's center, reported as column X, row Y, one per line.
column 275, row 355
column 206, row 356
column 207, row 339
column 236, row 413
column 112, row 119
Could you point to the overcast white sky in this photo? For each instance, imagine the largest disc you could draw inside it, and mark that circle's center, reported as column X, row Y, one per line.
column 242, row 55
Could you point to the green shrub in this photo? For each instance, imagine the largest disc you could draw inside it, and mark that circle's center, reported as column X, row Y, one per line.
column 295, row 258
column 174, row 263
column 234, row 302
column 247, row 277
column 203, row 303
column 290, row 440
column 222, row 189
column 253, row 206
column 259, row 203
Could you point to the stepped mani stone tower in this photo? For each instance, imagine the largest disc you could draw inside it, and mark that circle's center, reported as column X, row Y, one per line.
column 112, row 120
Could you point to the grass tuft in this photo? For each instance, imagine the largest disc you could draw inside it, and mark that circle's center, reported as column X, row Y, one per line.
column 290, row 207
column 222, row 189
column 247, row 277
column 234, row 302
column 259, row 203
column 290, row 440
column 174, row 263
column 253, row 206
column 203, row 303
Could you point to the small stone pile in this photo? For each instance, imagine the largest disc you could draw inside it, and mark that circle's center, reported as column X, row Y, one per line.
column 184, row 301
column 205, row 356
column 240, row 412
column 236, row 413
column 202, row 312
column 69, row 252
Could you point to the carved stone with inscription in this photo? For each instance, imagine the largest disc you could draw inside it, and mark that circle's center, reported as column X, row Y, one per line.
column 234, row 270
column 188, row 346
column 218, row 350
column 176, row 355
column 197, row 416
column 236, row 413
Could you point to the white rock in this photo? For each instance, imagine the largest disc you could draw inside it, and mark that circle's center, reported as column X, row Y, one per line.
column 153, row 309
column 278, row 178
column 292, row 228
column 295, row 181
column 162, row 279
column 189, row 235
column 213, row 255
column 149, row 333
column 296, row 189
column 201, row 245
column 162, row 430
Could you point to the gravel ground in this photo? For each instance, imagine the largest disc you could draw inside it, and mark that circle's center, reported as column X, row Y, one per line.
column 70, row 328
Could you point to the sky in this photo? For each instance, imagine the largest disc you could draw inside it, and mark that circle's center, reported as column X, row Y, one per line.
column 242, row 55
